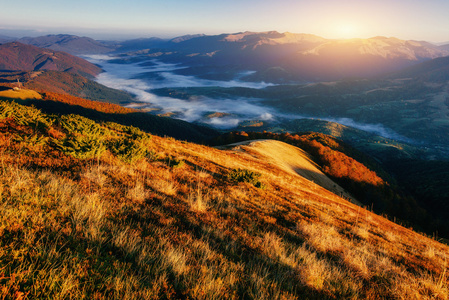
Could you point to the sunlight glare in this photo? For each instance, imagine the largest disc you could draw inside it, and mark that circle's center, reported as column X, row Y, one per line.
column 346, row 31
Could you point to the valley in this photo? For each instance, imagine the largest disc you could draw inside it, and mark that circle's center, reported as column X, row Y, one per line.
column 407, row 110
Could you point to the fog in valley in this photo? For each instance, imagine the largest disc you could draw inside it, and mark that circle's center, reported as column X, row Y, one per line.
column 140, row 79
column 131, row 78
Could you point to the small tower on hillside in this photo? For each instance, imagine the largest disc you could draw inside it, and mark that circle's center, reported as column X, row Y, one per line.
column 18, row 85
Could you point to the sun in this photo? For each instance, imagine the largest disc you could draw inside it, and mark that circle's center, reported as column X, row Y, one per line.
column 346, row 31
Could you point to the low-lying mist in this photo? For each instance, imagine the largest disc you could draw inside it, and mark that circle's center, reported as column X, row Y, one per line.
column 377, row 129
column 139, row 80
column 130, row 78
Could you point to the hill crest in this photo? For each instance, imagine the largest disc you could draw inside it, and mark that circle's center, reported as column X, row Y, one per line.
column 290, row 159
column 21, row 57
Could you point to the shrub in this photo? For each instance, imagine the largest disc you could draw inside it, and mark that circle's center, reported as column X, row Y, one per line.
column 84, row 137
column 128, row 150
column 79, row 146
column 24, row 115
column 78, row 125
column 174, row 162
column 244, row 175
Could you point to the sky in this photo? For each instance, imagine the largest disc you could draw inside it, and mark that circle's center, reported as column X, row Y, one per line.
column 118, row 19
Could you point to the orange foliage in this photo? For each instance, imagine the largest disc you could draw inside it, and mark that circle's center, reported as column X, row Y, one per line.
column 339, row 165
column 29, row 155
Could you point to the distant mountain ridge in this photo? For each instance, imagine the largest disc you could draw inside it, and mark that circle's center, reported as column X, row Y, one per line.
column 276, row 57
column 72, row 44
column 384, row 47
column 6, row 39
column 284, row 57
column 445, row 46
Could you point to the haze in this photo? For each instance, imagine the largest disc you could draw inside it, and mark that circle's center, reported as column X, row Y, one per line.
column 405, row 19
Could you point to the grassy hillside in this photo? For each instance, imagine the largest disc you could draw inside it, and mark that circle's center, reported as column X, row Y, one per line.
column 100, row 210
column 21, row 94
column 367, row 180
column 290, row 159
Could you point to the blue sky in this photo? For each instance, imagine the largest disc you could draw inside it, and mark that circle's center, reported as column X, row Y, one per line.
column 405, row 19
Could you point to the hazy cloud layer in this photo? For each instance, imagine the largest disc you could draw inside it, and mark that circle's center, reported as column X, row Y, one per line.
column 377, row 129
column 124, row 77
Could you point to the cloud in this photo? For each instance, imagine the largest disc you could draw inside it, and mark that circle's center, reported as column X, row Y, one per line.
column 224, row 122
column 266, row 117
column 128, row 77
column 377, row 129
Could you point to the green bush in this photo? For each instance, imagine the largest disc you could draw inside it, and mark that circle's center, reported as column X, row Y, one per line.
column 174, row 162
column 244, row 175
column 84, row 139
column 128, row 150
column 134, row 132
column 78, row 125
column 79, row 146
column 137, row 134
column 25, row 115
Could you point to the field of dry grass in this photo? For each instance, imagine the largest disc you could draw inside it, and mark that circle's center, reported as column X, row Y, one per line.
column 170, row 224
column 20, row 94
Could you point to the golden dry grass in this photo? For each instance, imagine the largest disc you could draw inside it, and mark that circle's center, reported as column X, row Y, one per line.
column 293, row 160
column 22, row 94
column 149, row 230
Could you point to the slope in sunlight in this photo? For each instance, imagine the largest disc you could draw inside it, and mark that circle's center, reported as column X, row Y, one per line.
column 22, row 94
column 102, row 210
column 290, row 159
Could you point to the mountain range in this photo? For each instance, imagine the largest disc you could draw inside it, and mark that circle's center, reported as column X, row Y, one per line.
column 288, row 57
column 435, row 70
column 277, row 57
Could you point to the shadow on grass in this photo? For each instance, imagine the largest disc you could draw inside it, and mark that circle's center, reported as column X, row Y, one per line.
column 149, row 123
column 285, row 277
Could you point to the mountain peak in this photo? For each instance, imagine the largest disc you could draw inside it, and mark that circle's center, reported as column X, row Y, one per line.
column 385, row 47
column 244, row 36
column 187, row 37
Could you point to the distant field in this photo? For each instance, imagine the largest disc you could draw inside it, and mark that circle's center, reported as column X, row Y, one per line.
column 22, row 94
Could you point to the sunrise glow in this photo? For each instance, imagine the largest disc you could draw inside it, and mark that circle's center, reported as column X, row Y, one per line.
column 330, row 19
column 346, row 31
